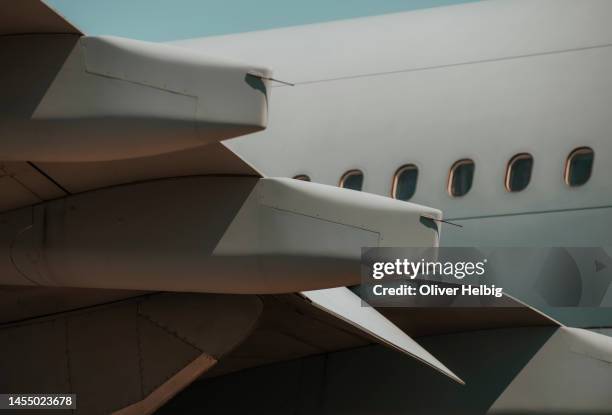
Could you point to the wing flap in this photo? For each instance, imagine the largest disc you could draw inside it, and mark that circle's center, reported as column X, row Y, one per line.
column 346, row 305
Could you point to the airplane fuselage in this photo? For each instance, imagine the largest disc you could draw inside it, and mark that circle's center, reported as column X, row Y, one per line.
column 423, row 89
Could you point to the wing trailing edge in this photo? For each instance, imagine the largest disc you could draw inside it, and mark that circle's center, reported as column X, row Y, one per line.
column 100, row 98
column 346, row 305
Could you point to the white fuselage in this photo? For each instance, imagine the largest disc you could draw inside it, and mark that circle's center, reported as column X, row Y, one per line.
column 484, row 81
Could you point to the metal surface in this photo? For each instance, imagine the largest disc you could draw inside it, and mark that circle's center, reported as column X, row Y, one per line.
column 138, row 352
column 206, row 234
column 72, row 98
column 431, row 87
column 344, row 304
column 111, row 117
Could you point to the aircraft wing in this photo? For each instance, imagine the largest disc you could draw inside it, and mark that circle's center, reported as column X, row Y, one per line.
column 84, row 112
column 127, row 228
column 135, row 245
column 346, row 305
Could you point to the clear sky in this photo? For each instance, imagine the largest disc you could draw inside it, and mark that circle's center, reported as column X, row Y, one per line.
column 164, row 20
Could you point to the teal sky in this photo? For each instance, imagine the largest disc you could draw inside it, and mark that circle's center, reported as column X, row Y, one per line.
column 164, row 20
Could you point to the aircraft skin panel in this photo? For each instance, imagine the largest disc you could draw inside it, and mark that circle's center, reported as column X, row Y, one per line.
column 20, row 303
column 135, row 353
column 212, row 159
column 171, row 387
column 92, row 112
column 292, row 328
column 253, row 239
column 417, row 40
column 23, row 184
column 99, row 98
column 376, row 380
column 15, row 194
column 346, row 305
column 131, row 188
column 543, row 89
column 469, row 106
column 507, row 371
column 570, row 357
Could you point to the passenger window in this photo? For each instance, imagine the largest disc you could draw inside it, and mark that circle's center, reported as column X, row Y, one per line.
column 352, row 179
column 518, row 173
column 461, row 176
column 302, row 177
column 578, row 166
column 405, row 182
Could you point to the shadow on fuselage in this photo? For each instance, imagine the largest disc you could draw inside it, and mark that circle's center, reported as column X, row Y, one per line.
column 373, row 379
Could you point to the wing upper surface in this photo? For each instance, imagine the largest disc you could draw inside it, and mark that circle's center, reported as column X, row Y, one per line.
column 346, row 305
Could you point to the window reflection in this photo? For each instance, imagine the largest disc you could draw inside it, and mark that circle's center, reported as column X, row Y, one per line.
column 518, row 173
column 461, row 176
column 405, row 182
column 578, row 166
column 352, row 179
